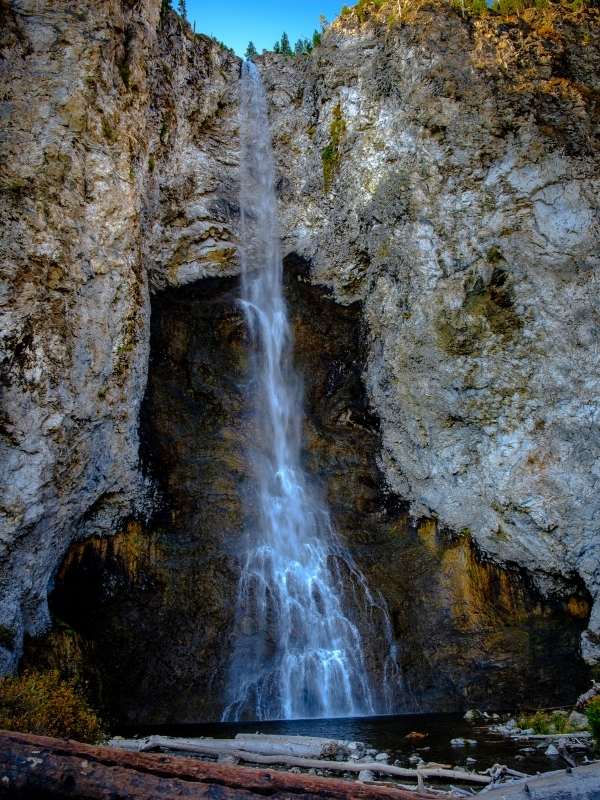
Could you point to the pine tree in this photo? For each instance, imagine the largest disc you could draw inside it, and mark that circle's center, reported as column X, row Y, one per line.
column 299, row 47
column 251, row 51
column 165, row 7
column 181, row 8
column 277, row 47
column 285, row 44
column 316, row 39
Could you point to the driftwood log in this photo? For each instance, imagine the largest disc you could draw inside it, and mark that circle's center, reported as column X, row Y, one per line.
column 297, row 746
column 302, row 746
column 577, row 783
column 233, row 748
column 35, row 767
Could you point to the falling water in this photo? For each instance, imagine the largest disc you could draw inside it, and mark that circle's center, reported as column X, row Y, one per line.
column 304, row 609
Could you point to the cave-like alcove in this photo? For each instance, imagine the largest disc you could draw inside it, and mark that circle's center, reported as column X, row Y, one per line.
column 152, row 607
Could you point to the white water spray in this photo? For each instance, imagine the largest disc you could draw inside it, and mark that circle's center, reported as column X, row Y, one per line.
column 304, row 610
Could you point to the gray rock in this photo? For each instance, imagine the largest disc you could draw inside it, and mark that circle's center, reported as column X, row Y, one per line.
column 468, row 432
column 577, row 720
column 382, row 757
column 115, row 196
column 366, row 775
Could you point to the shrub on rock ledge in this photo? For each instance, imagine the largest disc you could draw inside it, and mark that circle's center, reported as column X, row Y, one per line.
column 45, row 704
column 592, row 711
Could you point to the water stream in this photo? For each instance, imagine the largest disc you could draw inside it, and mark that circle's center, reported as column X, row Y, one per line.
column 311, row 640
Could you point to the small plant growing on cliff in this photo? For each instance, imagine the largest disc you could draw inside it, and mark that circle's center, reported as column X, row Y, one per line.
column 330, row 155
column 592, row 711
column 45, row 704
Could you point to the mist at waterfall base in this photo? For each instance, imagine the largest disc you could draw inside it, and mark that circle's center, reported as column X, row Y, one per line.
column 311, row 640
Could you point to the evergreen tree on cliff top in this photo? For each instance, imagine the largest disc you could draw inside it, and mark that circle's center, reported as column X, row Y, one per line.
column 251, row 51
column 181, row 8
column 285, row 44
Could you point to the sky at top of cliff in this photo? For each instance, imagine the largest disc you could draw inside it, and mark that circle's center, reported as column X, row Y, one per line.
column 237, row 22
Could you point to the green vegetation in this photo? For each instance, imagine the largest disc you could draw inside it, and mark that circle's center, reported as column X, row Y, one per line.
column 303, row 47
column 251, row 51
column 399, row 10
column 45, row 704
column 182, row 9
column 546, row 722
column 592, row 711
column 330, row 155
column 362, row 10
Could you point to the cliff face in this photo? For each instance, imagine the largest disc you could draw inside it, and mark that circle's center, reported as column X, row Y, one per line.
column 440, row 179
column 116, row 174
column 147, row 616
column 445, row 174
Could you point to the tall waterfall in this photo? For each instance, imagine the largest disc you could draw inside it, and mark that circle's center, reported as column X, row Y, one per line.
column 304, row 609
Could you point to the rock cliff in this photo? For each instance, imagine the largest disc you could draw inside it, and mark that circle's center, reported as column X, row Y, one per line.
column 116, row 155
column 440, row 181
column 445, row 174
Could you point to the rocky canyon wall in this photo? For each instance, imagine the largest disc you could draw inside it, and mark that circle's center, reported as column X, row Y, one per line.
column 445, row 174
column 438, row 182
column 117, row 175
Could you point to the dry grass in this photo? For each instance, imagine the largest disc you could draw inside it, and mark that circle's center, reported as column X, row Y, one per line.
column 45, row 704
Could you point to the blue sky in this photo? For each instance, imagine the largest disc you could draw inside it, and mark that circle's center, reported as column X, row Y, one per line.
column 236, row 23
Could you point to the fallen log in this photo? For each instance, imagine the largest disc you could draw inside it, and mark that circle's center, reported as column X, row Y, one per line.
column 574, row 735
column 302, row 746
column 218, row 747
column 37, row 766
column 577, row 783
column 371, row 766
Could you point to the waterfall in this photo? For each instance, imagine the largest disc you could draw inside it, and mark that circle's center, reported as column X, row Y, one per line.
column 304, row 610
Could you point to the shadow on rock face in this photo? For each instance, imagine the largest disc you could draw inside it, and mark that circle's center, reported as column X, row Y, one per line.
column 146, row 616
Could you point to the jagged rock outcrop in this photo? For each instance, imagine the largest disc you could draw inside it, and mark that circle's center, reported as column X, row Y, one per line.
column 441, row 180
column 445, row 174
column 117, row 172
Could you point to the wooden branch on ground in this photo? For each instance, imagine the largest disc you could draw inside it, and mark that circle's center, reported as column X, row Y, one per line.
column 576, row 783
column 36, row 766
column 224, row 747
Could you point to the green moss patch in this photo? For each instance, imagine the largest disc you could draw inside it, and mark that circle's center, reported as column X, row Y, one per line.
column 330, row 155
column 488, row 309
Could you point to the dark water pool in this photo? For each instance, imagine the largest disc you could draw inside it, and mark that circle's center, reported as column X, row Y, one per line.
column 388, row 734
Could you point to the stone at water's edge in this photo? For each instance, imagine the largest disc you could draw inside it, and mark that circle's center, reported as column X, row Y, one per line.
column 462, row 216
